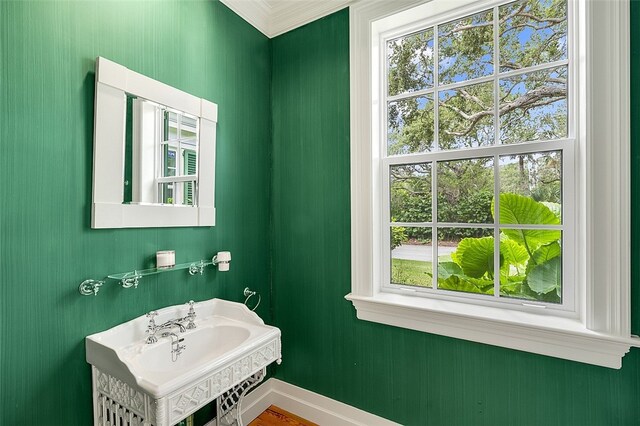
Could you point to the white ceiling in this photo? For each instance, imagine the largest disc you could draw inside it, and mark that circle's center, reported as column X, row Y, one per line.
column 274, row 17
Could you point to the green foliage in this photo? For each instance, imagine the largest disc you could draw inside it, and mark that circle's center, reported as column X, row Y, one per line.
column 555, row 208
column 474, row 206
column 446, row 269
column 475, row 257
column 532, row 105
column 467, row 206
column 398, row 236
column 512, row 253
column 544, row 254
column 530, row 259
column 546, row 277
column 520, row 210
column 451, row 277
column 411, row 62
column 466, row 284
column 539, row 46
column 516, row 209
column 410, row 125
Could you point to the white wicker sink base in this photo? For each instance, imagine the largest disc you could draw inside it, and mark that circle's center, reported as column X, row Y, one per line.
column 116, row 403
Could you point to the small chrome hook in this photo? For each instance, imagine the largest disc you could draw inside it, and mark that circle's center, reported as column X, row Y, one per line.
column 248, row 293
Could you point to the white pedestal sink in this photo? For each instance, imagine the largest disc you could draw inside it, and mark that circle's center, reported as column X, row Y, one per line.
column 137, row 383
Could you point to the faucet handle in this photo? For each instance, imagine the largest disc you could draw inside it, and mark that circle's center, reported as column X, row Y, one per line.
column 152, row 318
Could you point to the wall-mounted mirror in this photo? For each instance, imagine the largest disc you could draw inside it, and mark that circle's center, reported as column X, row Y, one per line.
column 154, row 153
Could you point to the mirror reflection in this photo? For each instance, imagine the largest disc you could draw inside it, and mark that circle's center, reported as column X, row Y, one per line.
column 161, row 154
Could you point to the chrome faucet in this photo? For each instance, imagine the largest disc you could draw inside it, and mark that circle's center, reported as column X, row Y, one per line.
column 152, row 328
column 176, row 347
column 173, row 323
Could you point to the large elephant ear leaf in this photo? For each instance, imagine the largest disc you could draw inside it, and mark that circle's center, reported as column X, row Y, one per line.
column 466, row 284
column 513, row 253
column 446, row 269
column 546, row 277
column 533, row 238
column 555, row 208
column 544, row 254
column 519, row 210
column 475, row 256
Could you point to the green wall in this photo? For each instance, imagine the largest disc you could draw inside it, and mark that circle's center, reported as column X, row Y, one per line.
column 47, row 60
column 411, row 377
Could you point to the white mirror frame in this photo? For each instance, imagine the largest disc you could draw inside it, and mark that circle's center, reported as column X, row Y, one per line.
column 113, row 82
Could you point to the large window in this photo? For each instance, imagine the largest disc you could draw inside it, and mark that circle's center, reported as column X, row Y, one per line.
column 489, row 172
column 478, row 142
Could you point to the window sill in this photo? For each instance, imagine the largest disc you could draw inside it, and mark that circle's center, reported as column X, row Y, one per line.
column 559, row 337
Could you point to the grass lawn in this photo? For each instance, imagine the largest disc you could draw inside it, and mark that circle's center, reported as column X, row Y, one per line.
column 413, row 272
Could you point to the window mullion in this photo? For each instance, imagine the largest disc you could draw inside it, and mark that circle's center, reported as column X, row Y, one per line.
column 434, row 219
column 484, row 151
column 179, row 165
column 496, row 158
column 496, row 71
column 434, row 166
column 496, row 229
column 408, row 95
column 436, row 96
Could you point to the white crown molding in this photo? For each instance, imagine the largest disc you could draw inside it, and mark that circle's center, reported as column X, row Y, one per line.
column 275, row 17
column 255, row 12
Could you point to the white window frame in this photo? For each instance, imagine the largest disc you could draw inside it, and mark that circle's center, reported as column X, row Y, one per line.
column 599, row 330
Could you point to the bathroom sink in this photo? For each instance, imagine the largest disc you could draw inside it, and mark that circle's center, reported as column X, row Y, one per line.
column 229, row 344
column 203, row 346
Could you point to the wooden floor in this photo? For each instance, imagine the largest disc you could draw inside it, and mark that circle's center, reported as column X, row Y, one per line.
column 276, row 416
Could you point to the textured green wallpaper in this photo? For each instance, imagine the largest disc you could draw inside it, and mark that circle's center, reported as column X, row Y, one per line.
column 411, row 377
column 47, row 60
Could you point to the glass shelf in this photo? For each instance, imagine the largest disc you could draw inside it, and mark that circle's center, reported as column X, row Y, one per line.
column 132, row 278
column 144, row 272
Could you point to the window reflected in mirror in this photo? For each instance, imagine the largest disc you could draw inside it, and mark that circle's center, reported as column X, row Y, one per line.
column 161, row 154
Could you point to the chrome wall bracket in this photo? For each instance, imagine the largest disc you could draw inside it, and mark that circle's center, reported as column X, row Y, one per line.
column 198, row 268
column 90, row 287
column 131, row 279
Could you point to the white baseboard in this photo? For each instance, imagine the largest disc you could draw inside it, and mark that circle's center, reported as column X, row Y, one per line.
column 306, row 404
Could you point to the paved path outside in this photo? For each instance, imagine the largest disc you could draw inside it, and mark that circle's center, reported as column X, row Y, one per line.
column 418, row 252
